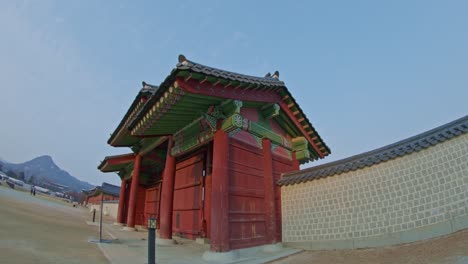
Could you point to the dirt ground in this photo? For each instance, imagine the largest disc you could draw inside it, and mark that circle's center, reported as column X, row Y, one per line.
column 444, row 250
column 41, row 230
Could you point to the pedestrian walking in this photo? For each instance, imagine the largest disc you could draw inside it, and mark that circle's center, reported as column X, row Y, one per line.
column 34, row 191
column 32, row 187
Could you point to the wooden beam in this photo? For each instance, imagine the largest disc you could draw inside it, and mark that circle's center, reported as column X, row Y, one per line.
column 154, row 158
column 195, row 87
column 148, row 168
column 152, row 146
column 231, row 107
column 188, row 77
column 120, row 159
column 220, row 194
column 228, row 84
column 204, row 80
column 269, row 193
column 270, row 111
column 293, row 118
column 133, row 193
column 167, row 194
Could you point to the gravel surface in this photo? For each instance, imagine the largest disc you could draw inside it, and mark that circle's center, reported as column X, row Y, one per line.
column 444, row 250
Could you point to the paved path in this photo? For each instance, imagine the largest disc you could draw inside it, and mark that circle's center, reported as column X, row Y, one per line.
column 41, row 230
column 131, row 247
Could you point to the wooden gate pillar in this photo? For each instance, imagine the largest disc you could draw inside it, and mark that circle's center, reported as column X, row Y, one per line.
column 220, row 193
column 133, row 192
column 167, row 194
column 270, row 197
column 120, row 213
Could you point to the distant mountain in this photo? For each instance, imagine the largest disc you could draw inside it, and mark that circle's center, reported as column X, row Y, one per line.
column 44, row 170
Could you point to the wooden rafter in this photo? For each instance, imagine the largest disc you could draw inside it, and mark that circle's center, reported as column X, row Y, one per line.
column 293, row 118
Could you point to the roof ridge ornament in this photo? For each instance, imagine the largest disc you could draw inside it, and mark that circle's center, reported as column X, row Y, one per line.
column 276, row 75
column 182, row 58
column 267, row 75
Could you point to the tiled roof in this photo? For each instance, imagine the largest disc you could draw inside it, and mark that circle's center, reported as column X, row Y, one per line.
column 187, row 65
column 105, row 188
column 268, row 80
column 146, row 90
column 103, row 163
column 389, row 152
column 110, row 189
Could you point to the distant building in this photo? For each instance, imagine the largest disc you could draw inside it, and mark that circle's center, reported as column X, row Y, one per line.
column 55, row 186
column 3, row 176
column 42, row 190
column 59, row 194
column 105, row 192
column 15, row 181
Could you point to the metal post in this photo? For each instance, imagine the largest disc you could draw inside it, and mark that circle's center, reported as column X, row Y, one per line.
column 94, row 215
column 152, row 241
column 100, row 224
column 100, row 220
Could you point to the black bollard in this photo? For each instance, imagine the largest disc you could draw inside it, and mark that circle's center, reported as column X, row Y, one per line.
column 152, row 241
column 94, row 215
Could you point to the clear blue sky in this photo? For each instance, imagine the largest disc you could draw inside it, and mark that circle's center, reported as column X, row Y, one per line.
column 366, row 73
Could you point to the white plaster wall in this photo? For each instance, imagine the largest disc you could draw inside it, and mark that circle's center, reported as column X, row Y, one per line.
column 109, row 208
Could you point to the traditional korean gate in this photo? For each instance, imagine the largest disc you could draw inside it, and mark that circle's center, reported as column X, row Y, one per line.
column 187, row 213
column 153, row 196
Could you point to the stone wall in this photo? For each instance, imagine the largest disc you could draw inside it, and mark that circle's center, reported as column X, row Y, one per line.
column 414, row 197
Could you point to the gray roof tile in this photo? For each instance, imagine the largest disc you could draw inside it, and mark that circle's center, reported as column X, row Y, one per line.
column 110, row 189
column 105, row 188
column 147, row 90
column 185, row 64
column 367, row 159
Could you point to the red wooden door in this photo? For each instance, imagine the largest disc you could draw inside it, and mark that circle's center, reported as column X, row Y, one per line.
column 140, row 206
column 153, row 196
column 246, row 195
column 187, row 214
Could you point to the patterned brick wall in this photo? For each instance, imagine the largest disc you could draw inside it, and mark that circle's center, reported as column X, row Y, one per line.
column 412, row 192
